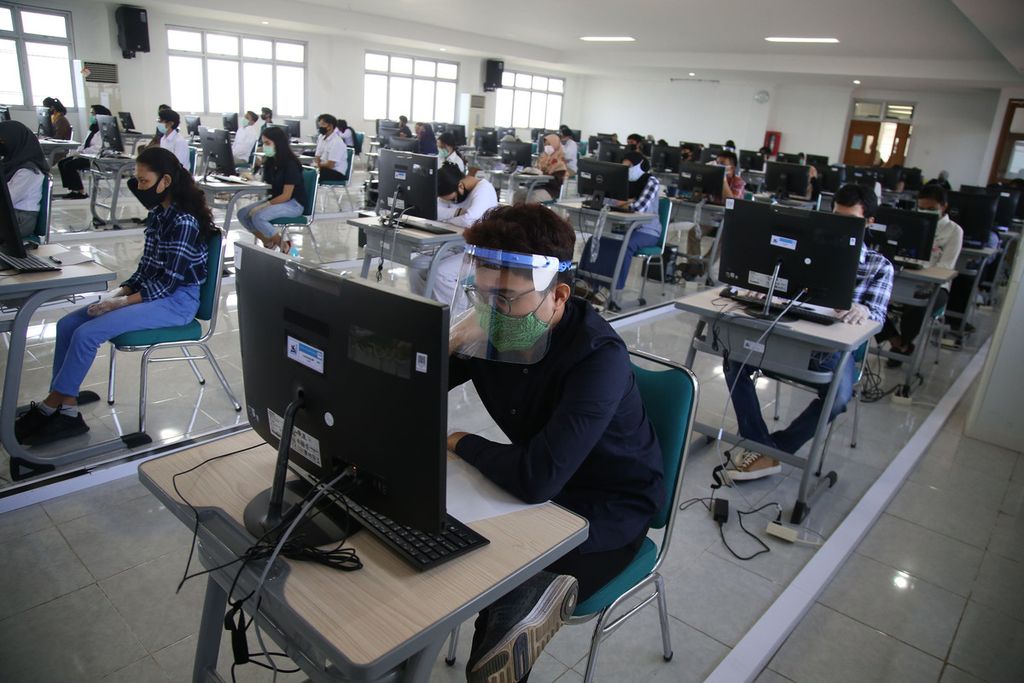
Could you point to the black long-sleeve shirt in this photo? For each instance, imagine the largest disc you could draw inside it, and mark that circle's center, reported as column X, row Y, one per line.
column 580, row 435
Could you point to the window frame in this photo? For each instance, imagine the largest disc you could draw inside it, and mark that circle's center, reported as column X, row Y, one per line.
column 19, row 37
column 240, row 60
column 883, row 116
column 548, row 92
column 389, row 74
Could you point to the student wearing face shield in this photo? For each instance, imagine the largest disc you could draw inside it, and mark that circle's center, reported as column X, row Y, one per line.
column 557, row 379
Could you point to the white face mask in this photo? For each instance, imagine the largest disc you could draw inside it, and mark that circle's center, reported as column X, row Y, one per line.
column 548, row 149
column 635, row 172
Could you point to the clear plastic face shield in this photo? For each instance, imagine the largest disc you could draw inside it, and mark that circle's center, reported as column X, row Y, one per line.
column 504, row 305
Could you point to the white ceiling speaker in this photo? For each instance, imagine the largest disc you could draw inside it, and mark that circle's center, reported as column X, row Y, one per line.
column 762, row 96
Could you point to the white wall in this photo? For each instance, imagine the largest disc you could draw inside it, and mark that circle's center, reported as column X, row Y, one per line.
column 812, row 119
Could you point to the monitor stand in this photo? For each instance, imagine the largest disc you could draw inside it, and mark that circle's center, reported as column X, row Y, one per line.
column 766, row 312
column 596, row 201
column 271, row 510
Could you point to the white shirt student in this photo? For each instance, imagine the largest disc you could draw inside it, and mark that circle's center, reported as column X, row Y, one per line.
column 570, row 150
column 949, row 237
column 246, row 136
column 349, row 137
column 331, row 151
column 172, row 138
column 26, row 189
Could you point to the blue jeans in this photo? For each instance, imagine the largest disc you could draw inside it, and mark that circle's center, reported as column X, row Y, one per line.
column 790, row 439
column 259, row 222
column 79, row 336
column 608, row 254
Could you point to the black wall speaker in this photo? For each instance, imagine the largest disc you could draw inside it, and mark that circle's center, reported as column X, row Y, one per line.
column 493, row 69
column 132, row 30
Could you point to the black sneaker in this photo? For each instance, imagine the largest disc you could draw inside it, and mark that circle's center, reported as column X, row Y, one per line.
column 519, row 625
column 29, row 421
column 56, row 427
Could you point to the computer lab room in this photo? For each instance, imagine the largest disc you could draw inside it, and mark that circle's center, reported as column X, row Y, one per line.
column 582, row 342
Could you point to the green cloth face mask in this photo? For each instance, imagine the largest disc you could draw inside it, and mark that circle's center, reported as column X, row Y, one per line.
column 509, row 332
column 269, row 151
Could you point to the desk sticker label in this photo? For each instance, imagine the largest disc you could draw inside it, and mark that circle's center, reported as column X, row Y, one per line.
column 421, row 362
column 765, row 280
column 302, row 443
column 753, row 346
column 784, row 242
column 399, row 175
column 304, row 354
column 729, row 203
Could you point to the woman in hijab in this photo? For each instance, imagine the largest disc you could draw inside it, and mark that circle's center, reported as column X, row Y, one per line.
column 72, row 166
column 59, row 118
column 23, row 169
column 551, row 162
column 428, row 141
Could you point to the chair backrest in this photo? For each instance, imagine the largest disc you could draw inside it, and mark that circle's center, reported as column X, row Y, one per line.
column 664, row 215
column 359, row 142
column 310, row 181
column 670, row 400
column 348, row 172
column 192, row 160
column 209, row 291
column 42, row 231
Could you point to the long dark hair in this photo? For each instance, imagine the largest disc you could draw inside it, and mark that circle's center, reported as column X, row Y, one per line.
column 283, row 154
column 56, row 105
column 185, row 194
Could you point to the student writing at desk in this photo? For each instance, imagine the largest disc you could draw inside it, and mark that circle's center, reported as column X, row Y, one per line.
column 172, row 140
column 71, row 167
column 949, row 239
column 331, row 155
column 461, row 201
column 59, row 118
column 23, row 168
column 870, row 301
column 282, row 170
column 162, row 292
column 246, row 137
column 557, row 379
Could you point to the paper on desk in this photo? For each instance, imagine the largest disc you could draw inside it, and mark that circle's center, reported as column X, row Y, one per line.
column 471, row 496
column 73, row 257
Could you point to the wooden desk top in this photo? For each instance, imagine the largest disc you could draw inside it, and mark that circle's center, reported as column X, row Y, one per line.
column 931, row 274
column 368, row 613
column 709, row 304
column 89, row 272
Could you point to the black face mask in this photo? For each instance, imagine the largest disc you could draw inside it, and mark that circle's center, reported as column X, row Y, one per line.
column 460, row 195
column 323, row 130
column 148, row 198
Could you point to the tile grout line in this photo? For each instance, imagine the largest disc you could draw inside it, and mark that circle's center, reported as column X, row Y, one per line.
column 745, row 661
column 879, row 630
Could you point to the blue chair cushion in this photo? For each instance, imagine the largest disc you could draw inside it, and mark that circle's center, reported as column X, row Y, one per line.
column 639, row 568
column 187, row 332
column 649, row 251
column 334, row 182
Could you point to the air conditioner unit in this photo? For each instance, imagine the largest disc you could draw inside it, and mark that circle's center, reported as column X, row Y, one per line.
column 95, row 83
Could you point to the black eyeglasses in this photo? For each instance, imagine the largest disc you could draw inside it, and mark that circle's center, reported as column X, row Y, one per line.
column 498, row 302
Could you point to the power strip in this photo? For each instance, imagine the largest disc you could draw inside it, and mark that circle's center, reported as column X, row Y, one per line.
column 783, row 532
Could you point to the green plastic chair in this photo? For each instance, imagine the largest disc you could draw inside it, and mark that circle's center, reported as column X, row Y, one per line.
column 670, row 399
column 180, row 337
column 334, row 184
column 360, row 137
column 656, row 252
column 304, row 222
column 41, row 235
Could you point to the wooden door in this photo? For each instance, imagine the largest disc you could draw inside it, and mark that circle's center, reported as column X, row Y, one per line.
column 862, row 143
column 1008, row 162
column 900, row 145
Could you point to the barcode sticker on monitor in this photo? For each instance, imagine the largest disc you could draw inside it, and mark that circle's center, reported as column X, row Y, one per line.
column 421, row 362
column 729, row 203
column 304, row 354
column 765, row 280
column 302, row 442
column 784, row 242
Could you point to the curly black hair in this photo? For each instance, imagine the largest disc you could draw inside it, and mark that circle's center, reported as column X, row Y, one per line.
column 185, row 194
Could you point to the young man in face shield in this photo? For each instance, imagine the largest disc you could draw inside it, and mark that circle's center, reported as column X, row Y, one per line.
column 557, row 379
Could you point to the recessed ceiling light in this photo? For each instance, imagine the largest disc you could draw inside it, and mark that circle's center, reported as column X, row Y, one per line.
column 782, row 39
column 608, row 39
column 856, row 82
column 265, row 23
column 444, row 49
column 692, row 74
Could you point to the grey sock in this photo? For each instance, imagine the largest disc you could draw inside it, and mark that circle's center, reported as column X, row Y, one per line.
column 69, row 410
column 45, row 409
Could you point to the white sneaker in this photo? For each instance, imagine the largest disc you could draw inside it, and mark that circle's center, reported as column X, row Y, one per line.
column 752, row 465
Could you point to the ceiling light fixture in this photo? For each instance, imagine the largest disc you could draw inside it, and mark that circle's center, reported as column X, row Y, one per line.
column 608, row 39
column 265, row 23
column 783, row 39
column 856, row 82
column 444, row 49
column 692, row 74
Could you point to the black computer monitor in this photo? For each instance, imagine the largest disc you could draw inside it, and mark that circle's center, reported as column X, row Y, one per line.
column 862, row 175
column 702, row 179
column 518, row 153
column 216, row 144
column 889, row 177
column 502, row 132
column 413, row 177
column 127, row 124
column 751, row 160
column 694, row 147
column 1009, row 200
column 5, row 113
column 902, row 235
column 485, row 140
column 913, row 180
column 610, row 152
column 386, row 123
column 815, row 251
column 192, row 124
column 784, row 179
column 665, row 159
column 785, row 158
column 576, row 133
column 459, row 131
column 294, row 127
column 385, row 133
column 229, row 122
column 109, row 133
column 305, row 333
column 816, row 159
column 537, row 133
column 833, row 178
column 404, row 144
column 11, row 241
column 44, row 126
column 602, row 180
column 975, row 213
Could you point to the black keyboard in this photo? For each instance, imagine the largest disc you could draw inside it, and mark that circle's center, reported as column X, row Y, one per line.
column 801, row 312
column 29, row 264
column 422, row 551
column 621, row 209
column 425, row 227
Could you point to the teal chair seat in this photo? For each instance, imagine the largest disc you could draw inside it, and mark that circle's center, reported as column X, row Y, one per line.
column 289, row 220
column 187, row 332
column 649, row 251
column 638, row 569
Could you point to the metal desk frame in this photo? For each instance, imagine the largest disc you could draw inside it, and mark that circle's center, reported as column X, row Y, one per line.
column 114, row 170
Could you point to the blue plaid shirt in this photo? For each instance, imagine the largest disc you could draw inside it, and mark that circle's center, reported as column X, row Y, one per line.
column 874, row 283
column 174, row 255
column 647, row 202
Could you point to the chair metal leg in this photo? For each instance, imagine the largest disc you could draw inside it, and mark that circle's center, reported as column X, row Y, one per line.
column 666, row 634
column 453, row 643
column 143, row 388
column 220, row 375
column 643, row 280
column 824, row 449
column 856, row 418
column 312, row 238
column 192, row 363
column 110, row 377
column 595, row 644
column 778, row 395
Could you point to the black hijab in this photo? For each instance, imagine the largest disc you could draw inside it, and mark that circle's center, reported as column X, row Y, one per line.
column 19, row 148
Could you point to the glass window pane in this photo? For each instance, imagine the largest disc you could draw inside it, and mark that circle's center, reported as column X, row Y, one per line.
column 524, row 81
column 52, row 25
column 6, row 20
column 291, row 91
column 257, row 49
column 449, row 71
column 521, row 109
column 444, row 111
column 190, row 41
column 556, row 84
column 399, row 97
column 508, row 79
column 867, row 110
column 217, row 44
column 376, row 62
column 257, row 86
column 10, row 74
column 186, row 83
column 503, row 108
column 49, row 72
column 540, row 83
column 537, row 104
column 291, row 52
column 903, row 112
column 401, row 65
column 554, row 116
column 423, row 100
column 222, row 84
column 425, row 68
column 375, row 96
